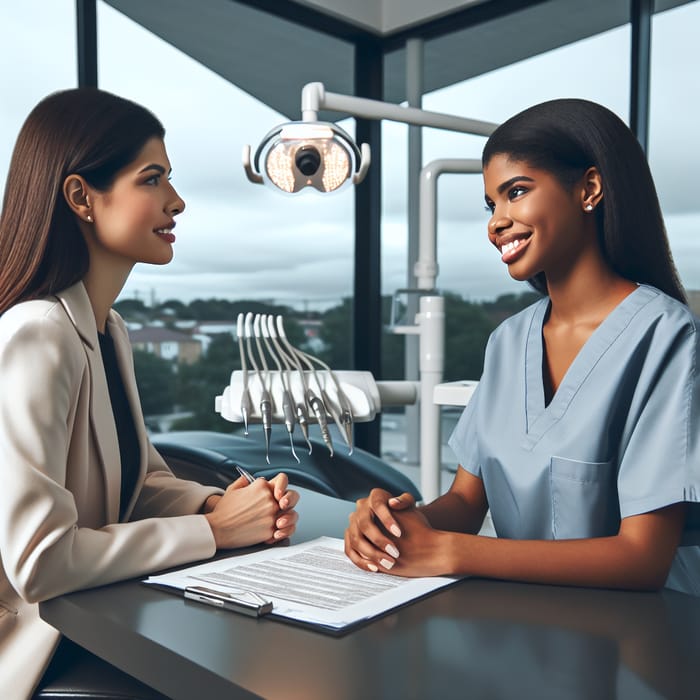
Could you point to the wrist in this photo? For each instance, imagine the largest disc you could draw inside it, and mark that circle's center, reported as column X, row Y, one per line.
column 448, row 557
column 209, row 505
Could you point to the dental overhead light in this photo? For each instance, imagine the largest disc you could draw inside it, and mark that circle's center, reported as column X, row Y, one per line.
column 310, row 153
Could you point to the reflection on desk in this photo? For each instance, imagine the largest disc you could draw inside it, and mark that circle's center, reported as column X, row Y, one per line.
column 477, row 639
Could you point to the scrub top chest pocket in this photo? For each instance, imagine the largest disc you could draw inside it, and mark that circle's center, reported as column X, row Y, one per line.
column 584, row 499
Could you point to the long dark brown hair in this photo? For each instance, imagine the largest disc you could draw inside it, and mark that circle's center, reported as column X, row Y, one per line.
column 82, row 131
column 566, row 137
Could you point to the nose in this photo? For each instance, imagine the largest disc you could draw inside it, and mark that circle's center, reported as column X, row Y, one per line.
column 176, row 205
column 498, row 223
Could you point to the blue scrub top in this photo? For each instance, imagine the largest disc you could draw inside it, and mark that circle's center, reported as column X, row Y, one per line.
column 620, row 437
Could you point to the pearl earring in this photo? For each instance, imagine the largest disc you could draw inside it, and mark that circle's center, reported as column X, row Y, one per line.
column 89, row 218
column 588, row 207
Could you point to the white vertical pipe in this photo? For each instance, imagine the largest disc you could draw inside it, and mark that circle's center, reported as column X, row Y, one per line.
column 431, row 321
column 427, row 268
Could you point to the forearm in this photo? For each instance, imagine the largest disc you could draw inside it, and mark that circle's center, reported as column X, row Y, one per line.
column 452, row 513
column 462, row 508
column 606, row 562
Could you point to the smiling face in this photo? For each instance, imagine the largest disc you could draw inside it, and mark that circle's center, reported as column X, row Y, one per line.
column 536, row 223
column 134, row 219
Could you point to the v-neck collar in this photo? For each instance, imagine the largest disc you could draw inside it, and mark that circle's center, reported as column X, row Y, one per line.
column 539, row 418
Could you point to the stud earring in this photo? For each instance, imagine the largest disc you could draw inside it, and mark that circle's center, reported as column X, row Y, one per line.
column 588, row 207
column 89, row 218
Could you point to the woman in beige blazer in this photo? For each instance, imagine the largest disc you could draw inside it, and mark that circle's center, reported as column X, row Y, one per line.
column 85, row 498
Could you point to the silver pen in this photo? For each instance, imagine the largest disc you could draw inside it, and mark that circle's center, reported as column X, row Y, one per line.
column 245, row 473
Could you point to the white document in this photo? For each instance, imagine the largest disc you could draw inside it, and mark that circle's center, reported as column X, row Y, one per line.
column 313, row 582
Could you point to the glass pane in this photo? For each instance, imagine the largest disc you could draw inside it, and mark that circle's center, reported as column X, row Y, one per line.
column 673, row 136
column 236, row 240
column 38, row 55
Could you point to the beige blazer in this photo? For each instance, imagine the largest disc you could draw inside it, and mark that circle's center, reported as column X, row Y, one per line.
column 60, row 474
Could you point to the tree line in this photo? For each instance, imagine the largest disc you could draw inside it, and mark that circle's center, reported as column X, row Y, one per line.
column 166, row 387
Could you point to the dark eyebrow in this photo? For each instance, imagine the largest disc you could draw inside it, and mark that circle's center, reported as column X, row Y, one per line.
column 505, row 185
column 154, row 166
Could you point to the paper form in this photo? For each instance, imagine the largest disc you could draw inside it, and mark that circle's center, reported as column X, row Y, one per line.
column 313, row 582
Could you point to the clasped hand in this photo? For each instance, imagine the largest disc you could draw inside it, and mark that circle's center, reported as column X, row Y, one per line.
column 249, row 514
column 389, row 534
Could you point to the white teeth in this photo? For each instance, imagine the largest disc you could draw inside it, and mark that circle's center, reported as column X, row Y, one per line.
column 510, row 246
column 164, row 230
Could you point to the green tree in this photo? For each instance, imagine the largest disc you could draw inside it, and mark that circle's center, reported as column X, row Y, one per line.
column 156, row 381
column 336, row 333
column 467, row 329
column 201, row 382
column 131, row 309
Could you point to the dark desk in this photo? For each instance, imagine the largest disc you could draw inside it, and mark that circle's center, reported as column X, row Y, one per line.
column 477, row 639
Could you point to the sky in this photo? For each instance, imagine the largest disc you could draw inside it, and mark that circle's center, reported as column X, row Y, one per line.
column 238, row 240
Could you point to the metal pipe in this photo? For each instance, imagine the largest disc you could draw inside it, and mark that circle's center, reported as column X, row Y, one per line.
column 426, row 269
column 314, row 98
column 431, row 321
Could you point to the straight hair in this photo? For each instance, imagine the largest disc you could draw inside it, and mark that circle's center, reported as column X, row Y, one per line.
column 565, row 137
column 83, row 131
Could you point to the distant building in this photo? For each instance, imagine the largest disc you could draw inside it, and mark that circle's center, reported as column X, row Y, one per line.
column 312, row 335
column 215, row 328
column 167, row 344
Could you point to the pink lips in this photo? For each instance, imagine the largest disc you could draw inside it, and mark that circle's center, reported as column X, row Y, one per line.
column 167, row 237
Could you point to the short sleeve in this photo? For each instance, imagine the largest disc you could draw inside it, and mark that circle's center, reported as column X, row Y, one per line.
column 464, row 440
column 660, row 464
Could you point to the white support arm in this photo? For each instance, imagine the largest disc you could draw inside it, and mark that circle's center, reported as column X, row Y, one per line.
column 314, row 98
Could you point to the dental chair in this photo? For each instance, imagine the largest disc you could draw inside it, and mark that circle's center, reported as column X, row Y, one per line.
column 209, row 458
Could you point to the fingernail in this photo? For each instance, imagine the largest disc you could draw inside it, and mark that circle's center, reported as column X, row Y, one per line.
column 391, row 550
column 386, row 563
column 282, row 523
column 373, row 567
column 395, row 531
column 278, row 534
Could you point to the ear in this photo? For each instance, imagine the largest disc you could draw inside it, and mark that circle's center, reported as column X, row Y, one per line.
column 592, row 190
column 75, row 190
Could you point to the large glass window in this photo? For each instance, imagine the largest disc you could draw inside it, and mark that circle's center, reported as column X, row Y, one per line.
column 236, row 240
column 468, row 265
column 674, row 144
column 38, row 56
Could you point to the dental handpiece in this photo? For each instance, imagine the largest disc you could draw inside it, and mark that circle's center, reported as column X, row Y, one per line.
column 301, row 414
column 287, row 405
column 316, row 403
column 246, row 401
column 265, row 400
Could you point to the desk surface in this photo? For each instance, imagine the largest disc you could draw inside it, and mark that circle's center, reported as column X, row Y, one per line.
column 476, row 639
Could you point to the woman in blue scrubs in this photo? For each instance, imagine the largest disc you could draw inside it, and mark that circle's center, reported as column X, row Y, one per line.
column 583, row 437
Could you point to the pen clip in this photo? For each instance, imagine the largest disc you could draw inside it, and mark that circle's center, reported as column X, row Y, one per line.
column 248, row 599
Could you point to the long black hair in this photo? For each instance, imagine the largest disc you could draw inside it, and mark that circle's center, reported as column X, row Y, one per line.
column 565, row 137
column 83, row 131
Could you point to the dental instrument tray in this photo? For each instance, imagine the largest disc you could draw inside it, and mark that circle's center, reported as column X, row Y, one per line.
column 278, row 383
